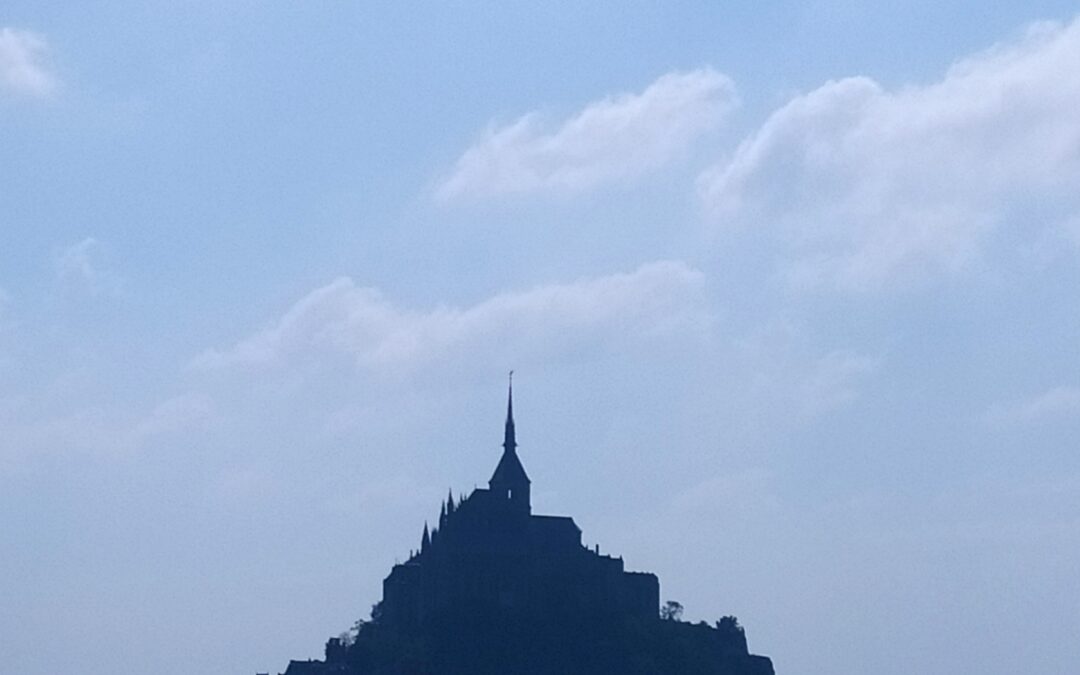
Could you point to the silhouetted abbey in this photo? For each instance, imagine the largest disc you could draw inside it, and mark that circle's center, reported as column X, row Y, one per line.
column 495, row 589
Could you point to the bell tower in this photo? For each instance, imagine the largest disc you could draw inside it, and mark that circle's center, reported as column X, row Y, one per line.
column 510, row 482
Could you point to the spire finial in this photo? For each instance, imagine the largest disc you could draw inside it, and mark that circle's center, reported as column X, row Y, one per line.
column 509, row 437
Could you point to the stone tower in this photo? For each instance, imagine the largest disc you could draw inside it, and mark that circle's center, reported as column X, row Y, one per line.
column 510, row 482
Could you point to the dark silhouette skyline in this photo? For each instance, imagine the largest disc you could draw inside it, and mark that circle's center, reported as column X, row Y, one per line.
column 494, row 588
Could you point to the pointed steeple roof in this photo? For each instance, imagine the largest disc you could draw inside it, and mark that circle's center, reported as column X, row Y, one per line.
column 509, row 436
column 509, row 471
column 426, row 540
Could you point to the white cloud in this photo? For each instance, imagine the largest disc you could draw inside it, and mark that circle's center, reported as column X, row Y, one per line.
column 22, row 63
column 611, row 140
column 832, row 382
column 797, row 384
column 861, row 186
column 1056, row 403
column 30, row 425
column 83, row 265
column 343, row 318
column 791, row 378
column 175, row 414
column 729, row 496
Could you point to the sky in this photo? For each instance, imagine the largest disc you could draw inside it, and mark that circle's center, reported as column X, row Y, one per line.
column 790, row 291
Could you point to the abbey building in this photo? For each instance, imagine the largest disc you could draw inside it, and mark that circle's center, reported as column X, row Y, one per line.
column 490, row 551
column 497, row 590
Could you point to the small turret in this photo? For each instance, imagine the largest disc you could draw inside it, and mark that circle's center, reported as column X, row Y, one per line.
column 425, row 541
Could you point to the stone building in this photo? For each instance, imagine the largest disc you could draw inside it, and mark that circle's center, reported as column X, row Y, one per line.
column 490, row 552
column 497, row 590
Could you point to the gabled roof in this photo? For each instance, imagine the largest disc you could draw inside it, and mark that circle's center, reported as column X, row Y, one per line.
column 509, row 469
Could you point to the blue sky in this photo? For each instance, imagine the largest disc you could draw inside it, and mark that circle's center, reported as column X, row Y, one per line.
column 790, row 290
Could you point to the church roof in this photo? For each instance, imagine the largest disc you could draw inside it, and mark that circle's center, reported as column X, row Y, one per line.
column 509, row 469
column 554, row 523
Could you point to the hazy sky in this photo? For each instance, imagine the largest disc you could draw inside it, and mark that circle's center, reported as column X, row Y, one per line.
column 792, row 291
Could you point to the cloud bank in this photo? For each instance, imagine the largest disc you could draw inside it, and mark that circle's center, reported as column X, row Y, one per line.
column 359, row 322
column 860, row 187
column 22, row 63
column 611, row 140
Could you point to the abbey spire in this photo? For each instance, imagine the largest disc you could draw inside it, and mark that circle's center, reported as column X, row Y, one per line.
column 510, row 482
column 509, row 436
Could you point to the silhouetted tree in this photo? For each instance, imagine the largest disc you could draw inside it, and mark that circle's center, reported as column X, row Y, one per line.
column 732, row 634
column 671, row 611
